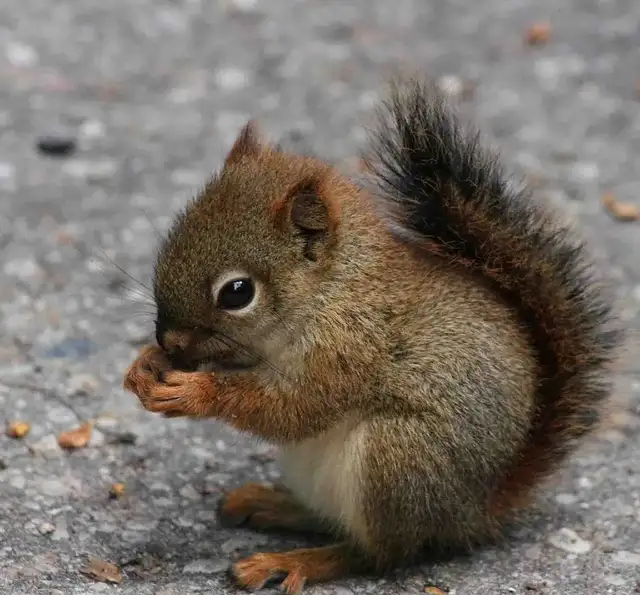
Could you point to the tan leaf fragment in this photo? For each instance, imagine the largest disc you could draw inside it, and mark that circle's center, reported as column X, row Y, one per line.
column 622, row 211
column 18, row 429
column 434, row 591
column 76, row 438
column 100, row 570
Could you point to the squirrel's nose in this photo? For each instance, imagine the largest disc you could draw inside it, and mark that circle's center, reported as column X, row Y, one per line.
column 175, row 341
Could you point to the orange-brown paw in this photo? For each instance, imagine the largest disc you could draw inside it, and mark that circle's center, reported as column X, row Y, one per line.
column 255, row 571
column 180, row 393
column 264, row 507
column 163, row 390
column 298, row 567
column 146, row 369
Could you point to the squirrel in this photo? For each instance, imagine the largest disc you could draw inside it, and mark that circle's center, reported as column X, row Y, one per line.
column 425, row 346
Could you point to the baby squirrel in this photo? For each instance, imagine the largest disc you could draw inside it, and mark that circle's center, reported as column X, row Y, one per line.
column 424, row 348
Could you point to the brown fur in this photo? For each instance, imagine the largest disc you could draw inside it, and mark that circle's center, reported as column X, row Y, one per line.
column 412, row 354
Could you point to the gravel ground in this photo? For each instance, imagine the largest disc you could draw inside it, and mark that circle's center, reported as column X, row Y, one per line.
column 154, row 93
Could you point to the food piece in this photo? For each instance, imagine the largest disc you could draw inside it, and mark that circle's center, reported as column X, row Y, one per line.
column 18, row 429
column 102, row 571
column 538, row 34
column 117, row 489
column 622, row 211
column 76, row 438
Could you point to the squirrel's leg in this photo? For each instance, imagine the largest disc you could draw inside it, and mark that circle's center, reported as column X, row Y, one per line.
column 299, row 567
column 264, row 507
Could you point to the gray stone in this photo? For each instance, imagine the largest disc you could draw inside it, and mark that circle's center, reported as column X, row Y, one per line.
column 82, row 384
column 190, row 493
column 209, row 566
column 91, row 170
column 46, row 528
column 53, row 487
column 569, row 541
column 627, row 558
column 61, row 532
column 241, row 542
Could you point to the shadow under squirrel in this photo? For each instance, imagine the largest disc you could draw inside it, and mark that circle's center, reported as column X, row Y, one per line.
column 425, row 350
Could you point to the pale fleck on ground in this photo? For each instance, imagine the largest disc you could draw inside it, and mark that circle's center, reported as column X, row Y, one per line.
column 155, row 92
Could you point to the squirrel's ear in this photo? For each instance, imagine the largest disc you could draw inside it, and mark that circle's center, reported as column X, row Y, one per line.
column 310, row 212
column 246, row 145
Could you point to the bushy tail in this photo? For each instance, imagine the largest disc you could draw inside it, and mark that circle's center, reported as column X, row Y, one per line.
column 451, row 195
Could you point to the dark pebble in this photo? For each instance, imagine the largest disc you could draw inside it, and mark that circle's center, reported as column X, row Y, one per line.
column 56, row 146
column 125, row 438
column 3, row 465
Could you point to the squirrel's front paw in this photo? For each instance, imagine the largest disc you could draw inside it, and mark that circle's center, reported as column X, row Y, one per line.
column 146, row 370
column 164, row 390
column 180, row 393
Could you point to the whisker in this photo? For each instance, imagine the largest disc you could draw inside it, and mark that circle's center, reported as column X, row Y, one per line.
column 137, row 297
column 231, row 343
column 124, row 272
column 153, row 225
column 87, row 251
column 135, row 315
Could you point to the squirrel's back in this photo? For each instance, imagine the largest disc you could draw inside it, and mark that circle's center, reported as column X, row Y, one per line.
column 448, row 197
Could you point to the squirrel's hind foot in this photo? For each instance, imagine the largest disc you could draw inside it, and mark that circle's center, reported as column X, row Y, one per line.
column 298, row 567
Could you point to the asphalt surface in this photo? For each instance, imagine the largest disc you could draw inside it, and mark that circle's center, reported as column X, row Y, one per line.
column 154, row 92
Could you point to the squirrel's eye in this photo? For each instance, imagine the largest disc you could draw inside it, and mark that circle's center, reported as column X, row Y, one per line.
column 236, row 294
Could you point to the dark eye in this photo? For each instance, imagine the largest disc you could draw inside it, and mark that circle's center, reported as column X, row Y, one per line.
column 236, row 294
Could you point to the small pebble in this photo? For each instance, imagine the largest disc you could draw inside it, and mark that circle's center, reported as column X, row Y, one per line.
column 190, row 493
column 56, row 146
column 53, row 488
column 61, row 533
column 91, row 129
column 20, row 54
column 566, row 499
column 451, row 85
column 82, row 385
column 627, row 558
column 7, row 171
column 46, row 528
column 584, row 172
column 125, row 438
column 569, row 541
column 240, row 543
column 232, row 79
column 213, row 566
column 244, row 5
column 93, row 171
column 46, row 446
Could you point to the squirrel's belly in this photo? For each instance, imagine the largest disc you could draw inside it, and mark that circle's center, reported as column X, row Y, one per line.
column 326, row 474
